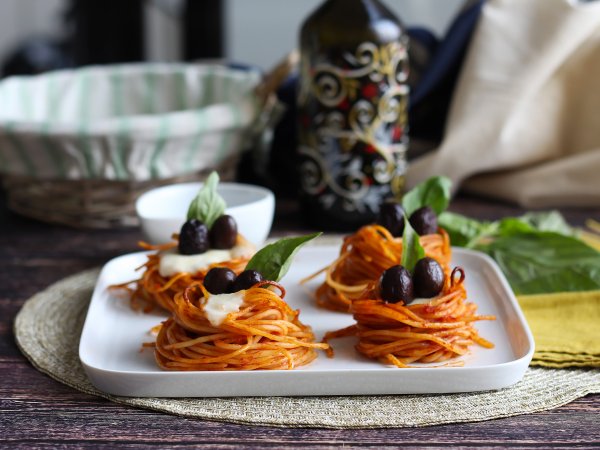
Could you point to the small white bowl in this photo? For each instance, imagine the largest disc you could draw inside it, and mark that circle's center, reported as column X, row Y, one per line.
column 162, row 211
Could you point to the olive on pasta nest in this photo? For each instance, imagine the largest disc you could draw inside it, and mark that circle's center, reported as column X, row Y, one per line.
column 262, row 332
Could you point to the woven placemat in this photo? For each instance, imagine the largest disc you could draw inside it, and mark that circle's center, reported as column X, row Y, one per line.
column 48, row 328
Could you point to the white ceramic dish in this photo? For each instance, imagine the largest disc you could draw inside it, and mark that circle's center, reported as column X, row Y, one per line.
column 113, row 334
column 163, row 210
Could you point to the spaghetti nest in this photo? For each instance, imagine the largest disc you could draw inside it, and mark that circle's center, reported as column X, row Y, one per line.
column 154, row 290
column 264, row 334
column 364, row 256
column 434, row 332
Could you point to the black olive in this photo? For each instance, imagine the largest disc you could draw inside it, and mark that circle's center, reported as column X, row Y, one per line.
column 247, row 279
column 193, row 238
column 223, row 233
column 428, row 278
column 391, row 216
column 396, row 284
column 424, row 221
column 219, row 280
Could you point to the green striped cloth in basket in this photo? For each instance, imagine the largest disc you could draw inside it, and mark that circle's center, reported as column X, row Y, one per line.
column 125, row 122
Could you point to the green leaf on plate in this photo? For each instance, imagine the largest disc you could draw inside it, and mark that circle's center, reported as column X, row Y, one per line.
column 274, row 260
column 208, row 205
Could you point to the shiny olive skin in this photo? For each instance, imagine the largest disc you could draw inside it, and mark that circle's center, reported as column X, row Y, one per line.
column 395, row 285
column 193, row 238
column 391, row 216
column 428, row 278
column 223, row 233
column 247, row 279
column 219, row 280
column 424, row 221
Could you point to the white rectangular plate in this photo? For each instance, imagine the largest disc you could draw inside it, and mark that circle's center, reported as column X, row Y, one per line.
column 113, row 334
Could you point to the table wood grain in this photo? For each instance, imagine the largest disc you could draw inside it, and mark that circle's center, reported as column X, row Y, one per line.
column 38, row 412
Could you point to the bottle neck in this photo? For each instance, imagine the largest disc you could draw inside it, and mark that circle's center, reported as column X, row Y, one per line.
column 349, row 12
column 351, row 6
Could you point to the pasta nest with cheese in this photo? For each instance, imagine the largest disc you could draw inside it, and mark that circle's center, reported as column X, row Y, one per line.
column 264, row 334
column 155, row 290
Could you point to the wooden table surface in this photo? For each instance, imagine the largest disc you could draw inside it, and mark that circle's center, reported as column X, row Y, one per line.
column 36, row 411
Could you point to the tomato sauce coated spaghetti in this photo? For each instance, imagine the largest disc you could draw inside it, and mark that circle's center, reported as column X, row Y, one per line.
column 432, row 332
column 264, row 334
column 364, row 256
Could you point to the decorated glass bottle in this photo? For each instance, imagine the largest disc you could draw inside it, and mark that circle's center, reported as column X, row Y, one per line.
column 352, row 112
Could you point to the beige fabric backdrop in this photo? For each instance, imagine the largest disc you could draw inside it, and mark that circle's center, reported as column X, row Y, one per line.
column 524, row 124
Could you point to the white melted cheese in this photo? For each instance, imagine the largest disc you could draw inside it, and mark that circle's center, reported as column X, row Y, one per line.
column 421, row 301
column 172, row 263
column 218, row 306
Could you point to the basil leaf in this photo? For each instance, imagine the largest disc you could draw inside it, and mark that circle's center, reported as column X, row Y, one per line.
column 513, row 225
column 548, row 221
column 412, row 251
column 274, row 260
column 541, row 262
column 538, row 252
column 208, row 205
column 463, row 231
column 434, row 192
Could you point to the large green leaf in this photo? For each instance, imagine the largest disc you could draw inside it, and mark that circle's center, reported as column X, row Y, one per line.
column 463, row 231
column 538, row 252
column 541, row 262
column 548, row 221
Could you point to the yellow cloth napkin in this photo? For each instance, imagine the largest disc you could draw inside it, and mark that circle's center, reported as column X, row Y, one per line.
column 565, row 327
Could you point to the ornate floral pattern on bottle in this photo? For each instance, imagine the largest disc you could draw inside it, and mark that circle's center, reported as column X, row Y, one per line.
column 353, row 128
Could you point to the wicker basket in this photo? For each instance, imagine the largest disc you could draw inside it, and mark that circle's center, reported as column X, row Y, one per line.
column 86, row 203
column 93, row 192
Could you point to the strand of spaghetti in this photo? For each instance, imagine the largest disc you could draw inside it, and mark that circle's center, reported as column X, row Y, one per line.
column 174, row 279
column 208, row 360
column 384, row 312
column 483, row 342
column 285, row 339
column 314, row 275
column 386, row 348
column 147, row 246
column 395, row 361
column 195, row 341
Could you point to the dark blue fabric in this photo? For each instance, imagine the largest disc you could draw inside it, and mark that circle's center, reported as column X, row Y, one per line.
column 449, row 53
column 431, row 95
column 425, row 37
